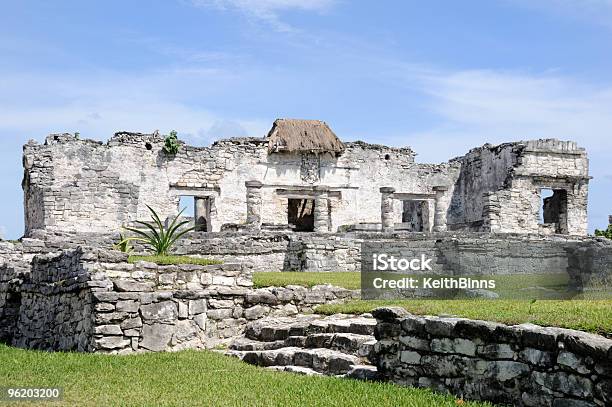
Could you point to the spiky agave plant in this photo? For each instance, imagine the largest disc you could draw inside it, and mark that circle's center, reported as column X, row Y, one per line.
column 158, row 237
column 123, row 245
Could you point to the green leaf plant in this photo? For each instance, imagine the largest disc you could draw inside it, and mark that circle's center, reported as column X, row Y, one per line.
column 156, row 236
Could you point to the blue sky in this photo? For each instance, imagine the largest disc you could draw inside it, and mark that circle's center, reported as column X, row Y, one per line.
column 439, row 76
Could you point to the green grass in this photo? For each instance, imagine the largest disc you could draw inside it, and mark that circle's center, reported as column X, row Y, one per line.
column 585, row 315
column 193, row 378
column 349, row 280
column 173, row 260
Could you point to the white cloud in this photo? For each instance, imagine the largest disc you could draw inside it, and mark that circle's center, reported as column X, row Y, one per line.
column 490, row 106
column 268, row 10
column 98, row 108
column 475, row 107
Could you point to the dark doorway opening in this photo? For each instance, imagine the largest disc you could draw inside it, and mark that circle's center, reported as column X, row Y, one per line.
column 300, row 213
column 554, row 208
column 202, row 214
column 414, row 215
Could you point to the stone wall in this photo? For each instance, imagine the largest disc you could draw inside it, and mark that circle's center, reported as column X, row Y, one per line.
column 278, row 251
column 452, row 252
column 522, row 365
column 498, row 188
column 92, row 300
column 88, row 186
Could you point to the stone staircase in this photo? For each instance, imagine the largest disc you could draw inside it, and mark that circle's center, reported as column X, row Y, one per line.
column 338, row 345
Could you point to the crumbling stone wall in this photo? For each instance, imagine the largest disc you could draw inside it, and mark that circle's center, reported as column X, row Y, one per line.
column 10, row 301
column 542, row 164
column 277, row 251
column 87, row 186
column 522, row 365
column 482, row 170
column 55, row 309
column 92, row 300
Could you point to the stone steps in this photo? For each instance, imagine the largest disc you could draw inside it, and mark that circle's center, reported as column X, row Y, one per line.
column 352, row 344
column 339, row 345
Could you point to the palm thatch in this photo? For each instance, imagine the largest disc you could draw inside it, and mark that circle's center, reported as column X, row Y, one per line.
column 293, row 135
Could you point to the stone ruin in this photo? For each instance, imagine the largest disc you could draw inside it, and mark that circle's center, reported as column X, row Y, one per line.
column 302, row 177
column 299, row 199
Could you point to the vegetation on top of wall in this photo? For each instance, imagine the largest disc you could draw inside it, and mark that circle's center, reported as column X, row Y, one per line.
column 171, row 143
column 173, row 260
column 350, row 280
column 156, row 236
column 607, row 233
column 584, row 315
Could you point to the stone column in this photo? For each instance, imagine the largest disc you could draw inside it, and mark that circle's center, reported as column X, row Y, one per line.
column 253, row 201
column 440, row 209
column 201, row 213
column 321, row 211
column 386, row 209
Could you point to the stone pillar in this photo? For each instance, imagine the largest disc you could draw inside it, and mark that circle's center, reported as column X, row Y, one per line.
column 253, row 201
column 321, row 210
column 610, row 220
column 201, row 213
column 386, row 209
column 440, row 209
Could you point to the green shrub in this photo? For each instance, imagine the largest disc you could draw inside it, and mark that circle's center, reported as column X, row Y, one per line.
column 607, row 233
column 157, row 236
column 171, row 143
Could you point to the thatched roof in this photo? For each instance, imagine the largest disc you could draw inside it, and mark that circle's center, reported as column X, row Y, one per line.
column 293, row 135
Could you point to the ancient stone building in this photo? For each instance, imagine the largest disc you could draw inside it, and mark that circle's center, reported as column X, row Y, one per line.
column 302, row 176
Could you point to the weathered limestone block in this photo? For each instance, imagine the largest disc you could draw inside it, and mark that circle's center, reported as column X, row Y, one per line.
column 156, row 337
column 165, row 311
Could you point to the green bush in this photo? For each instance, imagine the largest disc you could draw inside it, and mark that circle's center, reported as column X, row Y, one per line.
column 157, row 236
column 171, row 143
column 607, row 233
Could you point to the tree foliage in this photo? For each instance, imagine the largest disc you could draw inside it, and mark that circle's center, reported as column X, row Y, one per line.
column 607, row 233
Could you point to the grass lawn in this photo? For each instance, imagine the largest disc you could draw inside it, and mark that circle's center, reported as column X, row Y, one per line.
column 193, row 378
column 586, row 315
column 173, row 260
column 349, row 280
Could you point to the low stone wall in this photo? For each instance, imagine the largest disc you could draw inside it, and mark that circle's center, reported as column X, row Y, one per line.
column 523, row 365
column 452, row 252
column 92, row 300
column 10, row 301
column 278, row 251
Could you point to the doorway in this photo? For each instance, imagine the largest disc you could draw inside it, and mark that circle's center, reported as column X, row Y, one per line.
column 300, row 213
column 414, row 215
column 554, row 208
